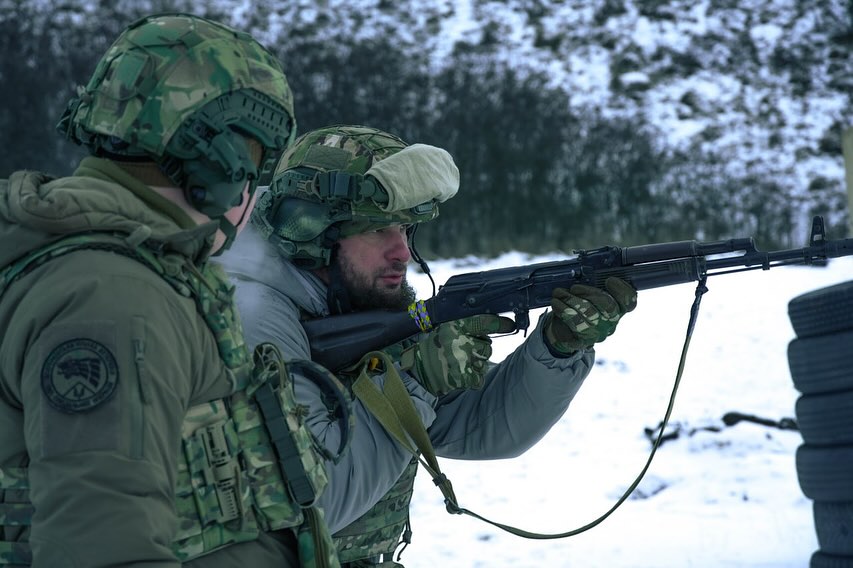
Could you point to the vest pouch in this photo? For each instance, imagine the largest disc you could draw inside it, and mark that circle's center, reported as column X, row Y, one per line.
column 213, row 498
column 250, row 463
column 300, row 458
column 287, row 464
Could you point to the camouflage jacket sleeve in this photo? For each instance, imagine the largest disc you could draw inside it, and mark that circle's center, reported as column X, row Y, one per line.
column 100, row 359
column 374, row 461
column 521, row 399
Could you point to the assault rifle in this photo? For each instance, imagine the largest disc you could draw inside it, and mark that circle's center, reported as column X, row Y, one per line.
column 339, row 341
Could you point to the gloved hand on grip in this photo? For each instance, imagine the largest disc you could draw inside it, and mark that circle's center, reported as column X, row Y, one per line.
column 584, row 315
column 455, row 355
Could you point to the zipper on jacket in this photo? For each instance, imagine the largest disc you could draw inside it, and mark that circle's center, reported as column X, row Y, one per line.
column 137, row 422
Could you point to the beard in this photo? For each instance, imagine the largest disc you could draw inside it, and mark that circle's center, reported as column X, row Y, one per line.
column 366, row 294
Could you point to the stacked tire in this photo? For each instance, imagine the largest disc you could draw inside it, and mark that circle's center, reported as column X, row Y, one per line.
column 821, row 364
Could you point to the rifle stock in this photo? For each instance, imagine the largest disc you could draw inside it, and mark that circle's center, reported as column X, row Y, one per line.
column 339, row 341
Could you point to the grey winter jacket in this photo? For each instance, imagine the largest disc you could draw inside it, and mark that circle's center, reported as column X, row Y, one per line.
column 522, row 398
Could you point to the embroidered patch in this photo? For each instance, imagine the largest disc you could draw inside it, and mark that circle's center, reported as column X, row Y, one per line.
column 79, row 375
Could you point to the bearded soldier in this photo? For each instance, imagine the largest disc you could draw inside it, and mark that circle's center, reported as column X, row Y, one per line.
column 133, row 419
column 333, row 235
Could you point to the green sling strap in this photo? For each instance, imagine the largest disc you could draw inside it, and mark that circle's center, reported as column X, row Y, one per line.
column 394, row 409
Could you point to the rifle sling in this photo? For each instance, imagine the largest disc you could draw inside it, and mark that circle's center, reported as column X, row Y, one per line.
column 394, row 409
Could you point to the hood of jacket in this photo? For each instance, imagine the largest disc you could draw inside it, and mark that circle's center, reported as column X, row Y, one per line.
column 253, row 258
column 36, row 209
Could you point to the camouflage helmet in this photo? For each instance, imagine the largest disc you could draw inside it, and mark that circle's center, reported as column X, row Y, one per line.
column 341, row 180
column 195, row 97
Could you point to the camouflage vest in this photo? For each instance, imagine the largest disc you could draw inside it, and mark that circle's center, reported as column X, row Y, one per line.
column 377, row 532
column 234, row 479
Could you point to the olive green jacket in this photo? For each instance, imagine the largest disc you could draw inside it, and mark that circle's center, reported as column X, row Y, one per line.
column 99, row 360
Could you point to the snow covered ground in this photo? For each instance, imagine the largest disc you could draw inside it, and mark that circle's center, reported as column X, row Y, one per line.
column 727, row 498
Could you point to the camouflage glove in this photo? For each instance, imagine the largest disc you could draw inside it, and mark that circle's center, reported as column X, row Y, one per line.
column 455, row 354
column 584, row 315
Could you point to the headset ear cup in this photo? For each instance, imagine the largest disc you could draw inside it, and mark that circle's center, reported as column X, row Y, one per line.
column 214, row 181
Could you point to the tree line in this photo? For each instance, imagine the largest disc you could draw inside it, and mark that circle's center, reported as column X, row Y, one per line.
column 537, row 174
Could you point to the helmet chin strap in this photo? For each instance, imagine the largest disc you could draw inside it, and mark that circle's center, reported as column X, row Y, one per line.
column 229, row 229
column 230, row 232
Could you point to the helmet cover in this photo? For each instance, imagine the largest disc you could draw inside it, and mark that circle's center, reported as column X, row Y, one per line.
column 187, row 92
column 329, row 185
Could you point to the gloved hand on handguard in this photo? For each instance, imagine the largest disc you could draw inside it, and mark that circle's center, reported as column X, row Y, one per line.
column 455, row 355
column 584, row 315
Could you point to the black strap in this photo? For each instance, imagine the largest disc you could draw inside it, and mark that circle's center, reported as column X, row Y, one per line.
column 289, row 461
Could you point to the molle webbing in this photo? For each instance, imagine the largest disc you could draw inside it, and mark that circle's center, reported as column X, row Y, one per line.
column 213, row 494
column 16, row 515
column 378, row 531
column 229, row 483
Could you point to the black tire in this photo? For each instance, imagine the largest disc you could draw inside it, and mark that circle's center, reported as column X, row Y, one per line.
column 823, row 560
column 834, row 526
column 823, row 311
column 826, row 473
column 822, row 364
column 826, row 419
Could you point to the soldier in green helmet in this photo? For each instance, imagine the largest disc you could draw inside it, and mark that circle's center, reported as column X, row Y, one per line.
column 134, row 421
column 333, row 234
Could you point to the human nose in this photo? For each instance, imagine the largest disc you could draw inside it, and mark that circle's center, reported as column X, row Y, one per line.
column 398, row 247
